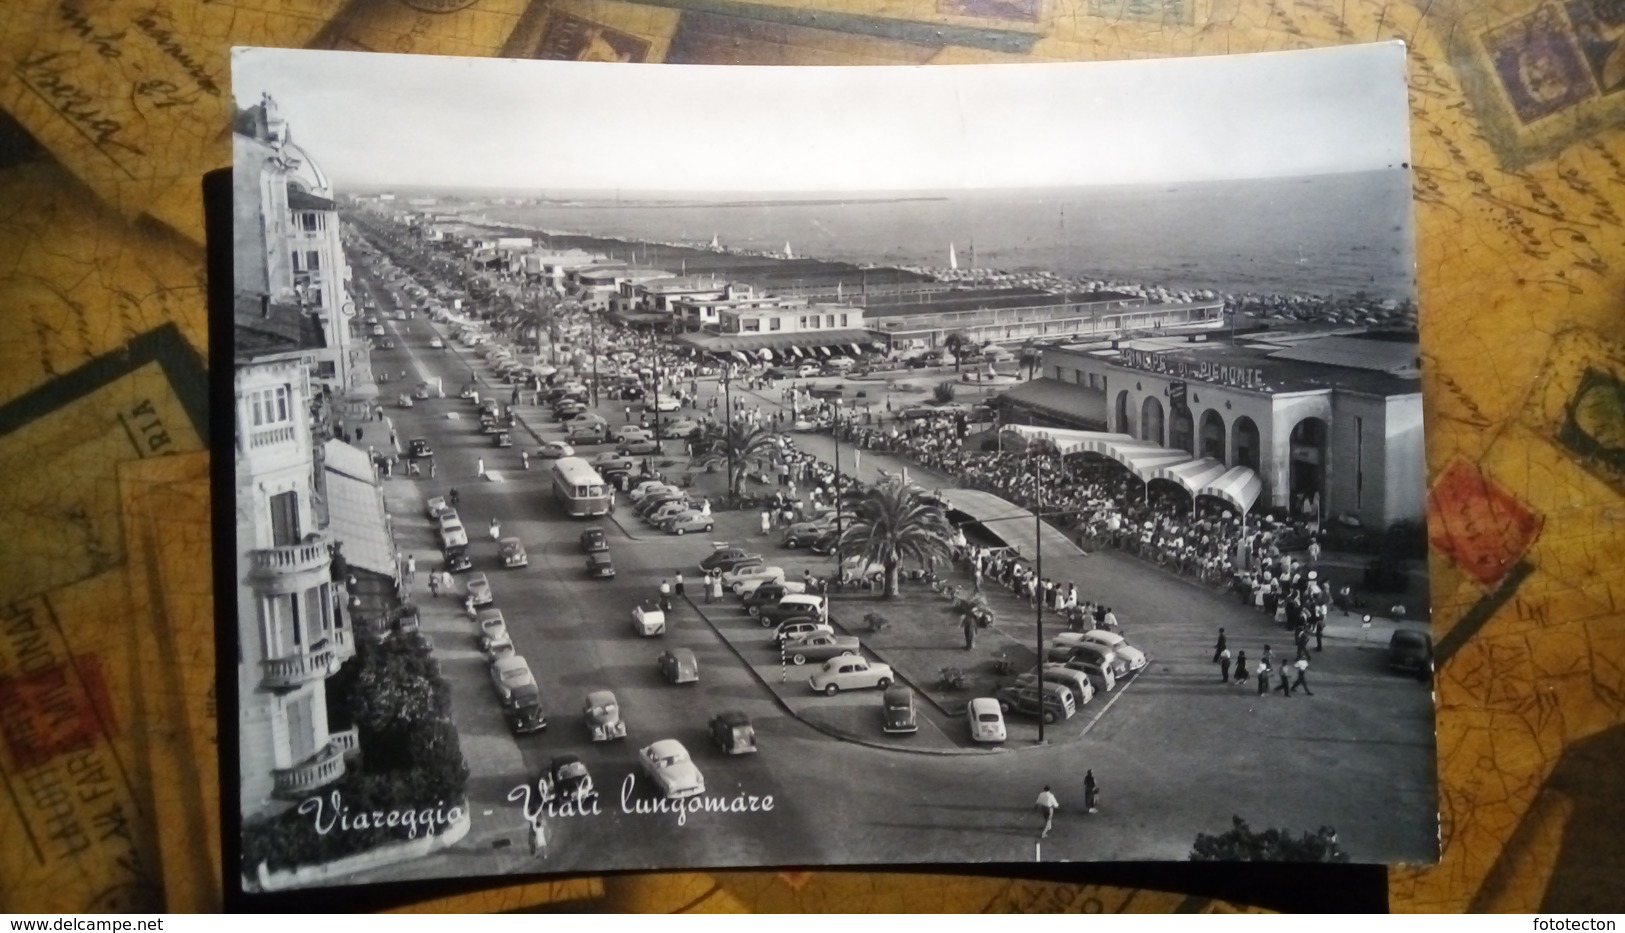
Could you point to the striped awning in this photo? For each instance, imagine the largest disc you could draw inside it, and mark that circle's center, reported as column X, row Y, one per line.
column 1192, row 475
column 1074, row 442
column 1238, row 486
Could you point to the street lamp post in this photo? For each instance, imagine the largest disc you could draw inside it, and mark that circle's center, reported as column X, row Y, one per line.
column 728, row 425
column 593, row 319
column 835, row 432
column 1038, row 613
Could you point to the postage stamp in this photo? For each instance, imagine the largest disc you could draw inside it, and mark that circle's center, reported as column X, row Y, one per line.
column 1580, row 404
column 571, row 38
column 1544, row 77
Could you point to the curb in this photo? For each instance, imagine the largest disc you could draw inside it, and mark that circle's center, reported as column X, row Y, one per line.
column 822, row 729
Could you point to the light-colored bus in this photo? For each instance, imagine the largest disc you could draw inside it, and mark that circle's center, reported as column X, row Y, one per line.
column 579, row 488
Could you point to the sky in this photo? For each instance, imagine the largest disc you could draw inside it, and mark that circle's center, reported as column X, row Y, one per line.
column 382, row 120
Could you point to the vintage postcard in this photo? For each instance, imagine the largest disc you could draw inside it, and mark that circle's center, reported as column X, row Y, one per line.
column 956, row 465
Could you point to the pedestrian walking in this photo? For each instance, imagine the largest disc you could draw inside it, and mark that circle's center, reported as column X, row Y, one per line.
column 767, row 523
column 1269, row 657
column 538, row 838
column 393, row 441
column 468, row 605
column 716, row 584
column 496, row 529
column 524, row 459
column 1301, row 638
column 1303, row 668
column 1263, row 677
column 677, row 585
column 1091, row 792
column 1047, row 805
column 446, row 582
column 453, row 497
column 1224, row 666
column 1320, row 626
column 358, row 435
column 1242, row 672
column 1218, row 646
column 479, row 466
column 411, row 569
column 434, row 584
column 665, row 604
column 1285, row 673
column 432, row 469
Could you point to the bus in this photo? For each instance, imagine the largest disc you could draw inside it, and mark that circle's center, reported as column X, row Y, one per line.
column 579, row 488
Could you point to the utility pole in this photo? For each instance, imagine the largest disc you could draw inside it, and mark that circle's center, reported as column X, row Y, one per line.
column 1038, row 572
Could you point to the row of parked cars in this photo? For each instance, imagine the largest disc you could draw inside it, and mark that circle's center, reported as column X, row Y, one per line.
column 1076, row 666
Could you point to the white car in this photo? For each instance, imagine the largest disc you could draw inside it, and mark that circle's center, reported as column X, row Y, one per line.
column 986, row 720
column 667, row 403
column 791, row 587
column 437, row 344
column 668, row 765
column 493, row 628
column 650, row 487
column 452, row 534
column 850, row 673
column 1111, row 641
column 808, row 369
column 734, row 580
column 436, row 507
column 648, row 621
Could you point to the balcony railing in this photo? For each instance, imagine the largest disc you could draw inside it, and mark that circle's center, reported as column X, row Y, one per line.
column 287, row 673
column 348, row 741
column 292, row 558
column 315, row 772
column 343, row 643
column 270, row 437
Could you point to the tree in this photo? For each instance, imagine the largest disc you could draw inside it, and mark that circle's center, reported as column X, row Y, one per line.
column 1242, row 844
column 739, row 447
column 957, row 343
column 944, row 391
column 892, row 522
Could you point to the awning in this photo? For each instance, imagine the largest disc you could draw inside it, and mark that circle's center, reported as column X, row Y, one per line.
column 1144, row 462
column 1074, row 442
column 1192, row 475
column 776, row 341
column 349, row 460
column 742, row 357
column 856, row 350
column 765, row 353
column 355, row 512
column 823, row 351
column 1238, row 486
column 795, row 352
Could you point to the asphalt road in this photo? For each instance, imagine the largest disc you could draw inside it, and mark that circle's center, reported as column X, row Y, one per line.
column 1177, row 755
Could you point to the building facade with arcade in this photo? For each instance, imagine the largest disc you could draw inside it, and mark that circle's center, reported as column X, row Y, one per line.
column 1330, row 422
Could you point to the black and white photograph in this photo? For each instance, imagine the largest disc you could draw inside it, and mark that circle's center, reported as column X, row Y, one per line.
column 645, row 467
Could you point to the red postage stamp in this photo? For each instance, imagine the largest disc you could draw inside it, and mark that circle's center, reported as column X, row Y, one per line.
column 1483, row 528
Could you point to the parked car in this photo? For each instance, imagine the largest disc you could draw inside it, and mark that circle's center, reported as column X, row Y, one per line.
column 510, row 673
column 819, row 646
column 602, row 715
column 986, row 720
column 897, row 710
column 457, row 559
column 727, row 558
column 600, row 566
column 1411, row 651
column 807, row 370
column 850, row 672
column 654, row 501
column 732, row 579
column 649, row 488
column 479, row 587
column 1100, row 675
column 686, row 521
column 523, row 709
column 553, row 450
column 452, row 533
column 435, row 343
column 585, row 432
column 1134, row 657
column 630, row 432
column 733, row 733
column 492, row 627
column 436, row 507
column 593, row 541
column 648, row 621
column 611, row 461
column 769, row 592
column 672, row 771
column 792, row 606
column 679, row 666
column 824, row 544
column 667, row 509
column 1054, row 704
column 1079, row 682
column 513, row 553
column 666, row 404
column 566, row 779
column 801, row 534
column 638, row 448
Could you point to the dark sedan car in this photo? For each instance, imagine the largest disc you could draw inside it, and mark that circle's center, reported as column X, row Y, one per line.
column 725, row 559
column 638, row 447
column 1412, row 652
column 593, row 540
column 599, row 566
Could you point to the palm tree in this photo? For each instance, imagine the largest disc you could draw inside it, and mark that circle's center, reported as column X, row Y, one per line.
column 891, row 522
column 738, row 446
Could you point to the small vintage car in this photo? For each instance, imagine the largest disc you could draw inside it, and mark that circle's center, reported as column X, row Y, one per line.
column 419, row 447
column 733, row 733
column 436, row 507
column 602, row 715
column 492, row 627
column 639, row 447
column 850, row 672
column 897, row 710
column 513, row 552
column 457, row 559
column 593, row 540
column 679, row 666
column 509, row 674
column 768, row 593
column 668, row 765
column 818, row 646
column 523, row 709
column 648, row 620
column 800, row 627
column 792, row 606
column 479, row 587
column 686, row 521
column 404, row 400
column 502, row 439
column 499, row 647
column 553, row 450
column 727, row 558
column 986, row 720
column 1411, row 651
column 566, row 779
column 420, row 391
column 599, row 566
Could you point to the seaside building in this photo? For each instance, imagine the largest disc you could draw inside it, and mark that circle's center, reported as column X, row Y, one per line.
column 769, row 332
column 1324, row 422
column 1023, row 314
column 698, row 314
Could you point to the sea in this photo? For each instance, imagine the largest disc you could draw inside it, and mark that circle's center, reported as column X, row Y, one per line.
column 1327, row 235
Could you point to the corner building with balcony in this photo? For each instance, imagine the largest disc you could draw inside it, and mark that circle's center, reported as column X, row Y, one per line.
column 292, row 634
